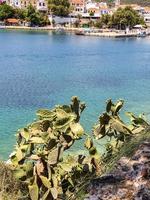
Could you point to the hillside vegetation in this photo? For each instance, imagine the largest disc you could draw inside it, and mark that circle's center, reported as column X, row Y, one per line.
column 141, row 2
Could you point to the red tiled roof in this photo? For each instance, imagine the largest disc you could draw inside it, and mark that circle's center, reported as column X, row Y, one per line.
column 12, row 20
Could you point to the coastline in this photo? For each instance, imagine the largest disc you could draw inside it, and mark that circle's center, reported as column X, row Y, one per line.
column 46, row 28
column 95, row 33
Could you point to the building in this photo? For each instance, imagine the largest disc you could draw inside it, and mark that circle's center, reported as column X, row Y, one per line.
column 78, row 6
column 92, row 8
column 40, row 5
column 15, row 3
column 26, row 3
column 117, row 3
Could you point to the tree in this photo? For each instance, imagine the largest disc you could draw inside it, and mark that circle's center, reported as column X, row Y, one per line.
column 6, row 12
column 32, row 15
column 104, row 21
column 59, row 7
column 126, row 17
column 20, row 13
column 36, row 18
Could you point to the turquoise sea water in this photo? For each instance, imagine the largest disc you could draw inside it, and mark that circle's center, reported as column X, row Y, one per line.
column 39, row 70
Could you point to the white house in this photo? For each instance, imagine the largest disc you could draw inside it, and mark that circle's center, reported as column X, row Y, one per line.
column 15, row 3
column 41, row 5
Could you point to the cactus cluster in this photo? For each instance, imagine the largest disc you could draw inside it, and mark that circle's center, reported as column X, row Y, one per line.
column 111, row 125
column 39, row 158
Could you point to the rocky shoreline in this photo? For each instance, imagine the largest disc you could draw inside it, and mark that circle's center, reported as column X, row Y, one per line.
column 130, row 180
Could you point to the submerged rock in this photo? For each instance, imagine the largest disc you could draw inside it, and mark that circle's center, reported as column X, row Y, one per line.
column 129, row 181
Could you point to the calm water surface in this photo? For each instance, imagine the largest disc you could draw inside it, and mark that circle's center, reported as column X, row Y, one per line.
column 39, row 70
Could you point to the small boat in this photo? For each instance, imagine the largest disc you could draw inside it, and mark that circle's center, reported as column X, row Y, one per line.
column 59, row 31
column 79, row 33
column 2, row 27
column 142, row 34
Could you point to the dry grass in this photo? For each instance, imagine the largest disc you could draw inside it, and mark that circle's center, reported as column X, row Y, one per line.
column 9, row 187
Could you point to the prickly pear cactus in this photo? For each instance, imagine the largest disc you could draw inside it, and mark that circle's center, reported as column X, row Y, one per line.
column 111, row 125
column 39, row 158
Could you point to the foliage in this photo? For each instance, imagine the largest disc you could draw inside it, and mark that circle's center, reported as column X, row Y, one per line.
column 30, row 14
column 142, row 3
column 9, row 187
column 126, row 17
column 104, row 21
column 36, row 18
column 20, row 13
column 111, row 126
column 6, row 11
column 139, row 2
column 59, row 7
column 122, row 18
column 41, row 158
column 38, row 158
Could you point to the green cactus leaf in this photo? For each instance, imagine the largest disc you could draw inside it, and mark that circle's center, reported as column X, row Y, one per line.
column 45, row 136
column 34, row 191
column 35, row 125
column 66, row 167
column 63, row 123
column 25, row 134
column 71, row 182
column 88, row 143
column 82, row 107
column 54, row 193
column 66, row 108
column 40, row 167
column 137, row 121
column 45, row 124
column 24, row 148
column 109, row 105
column 99, row 131
column 20, row 173
column 51, row 144
column 44, row 113
column 28, row 166
column 53, row 156
column 118, row 106
column 138, row 130
column 45, row 182
column 93, row 151
column 46, row 195
column 14, row 160
column 55, row 181
column 119, row 126
column 104, row 119
column 61, row 113
column 77, row 129
column 19, row 154
column 36, row 140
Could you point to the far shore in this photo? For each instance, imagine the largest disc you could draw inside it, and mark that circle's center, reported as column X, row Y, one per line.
column 96, row 32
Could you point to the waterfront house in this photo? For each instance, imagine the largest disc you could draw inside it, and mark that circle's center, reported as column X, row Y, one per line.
column 14, row 3
column 92, row 8
column 78, row 6
column 95, row 10
column 41, row 5
column 62, row 20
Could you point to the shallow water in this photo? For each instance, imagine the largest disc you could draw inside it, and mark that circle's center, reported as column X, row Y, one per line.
column 41, row 69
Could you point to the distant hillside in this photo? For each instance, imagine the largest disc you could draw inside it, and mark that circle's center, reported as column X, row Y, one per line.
column 141, row 2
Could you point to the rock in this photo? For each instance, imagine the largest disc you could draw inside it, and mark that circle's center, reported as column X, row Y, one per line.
column 129, row 181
